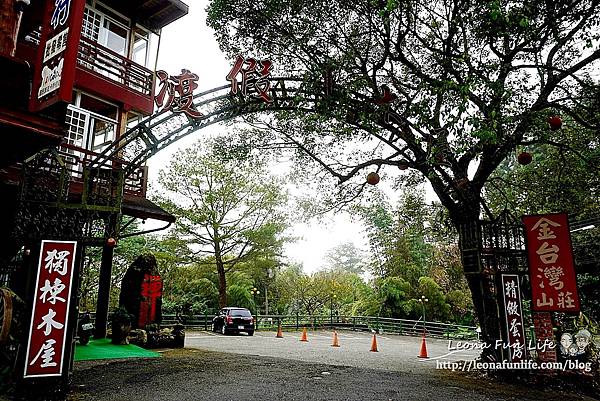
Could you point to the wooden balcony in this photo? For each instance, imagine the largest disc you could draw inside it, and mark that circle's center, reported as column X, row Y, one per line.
column 77, row 158
column 113, row 77
column 134, row 202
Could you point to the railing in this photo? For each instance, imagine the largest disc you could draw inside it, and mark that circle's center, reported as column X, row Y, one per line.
column 355, row 323
column 77, row 158
column 95, row 57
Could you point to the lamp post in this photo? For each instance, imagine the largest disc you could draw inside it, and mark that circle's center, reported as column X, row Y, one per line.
column 255, row 291
column 270, row 275
column 331, row 309
column 423, row 300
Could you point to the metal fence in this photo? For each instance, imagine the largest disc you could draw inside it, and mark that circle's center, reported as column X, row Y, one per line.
column 355, row 323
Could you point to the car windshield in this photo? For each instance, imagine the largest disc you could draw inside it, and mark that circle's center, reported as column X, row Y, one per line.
column 240, row 313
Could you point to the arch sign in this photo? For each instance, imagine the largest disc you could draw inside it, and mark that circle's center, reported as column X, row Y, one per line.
column 176, row 92
column 251, row 88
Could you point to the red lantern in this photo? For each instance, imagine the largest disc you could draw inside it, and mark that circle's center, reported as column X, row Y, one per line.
column 555, row 122
column 524, row 158
column 372, row 178
column 403, row 165
column 111, row 242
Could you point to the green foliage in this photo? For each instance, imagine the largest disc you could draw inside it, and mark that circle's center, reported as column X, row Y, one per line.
column 395, row 297
column 238, row 295
column 229, row 209
column 345, row 257
column 472, row 78
column 120, row 315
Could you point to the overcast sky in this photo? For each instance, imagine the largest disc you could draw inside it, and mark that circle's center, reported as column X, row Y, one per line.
column 188, row 43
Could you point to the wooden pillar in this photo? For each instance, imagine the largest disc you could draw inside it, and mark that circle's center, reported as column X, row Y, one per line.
column 10, row 19
column 104, row 282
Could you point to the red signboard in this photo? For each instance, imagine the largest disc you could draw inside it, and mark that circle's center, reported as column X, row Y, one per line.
column 50, row 315
column 551, row 267
column 54, row 72
column 151, row 291
column 514, row 316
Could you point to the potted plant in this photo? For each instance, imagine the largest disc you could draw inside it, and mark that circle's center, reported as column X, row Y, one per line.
column 121, row 326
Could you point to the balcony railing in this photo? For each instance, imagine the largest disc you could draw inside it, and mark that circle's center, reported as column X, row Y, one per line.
column 76, row 158
column 97, row 58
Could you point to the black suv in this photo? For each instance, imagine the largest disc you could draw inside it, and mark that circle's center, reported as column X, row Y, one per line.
column 233, row 320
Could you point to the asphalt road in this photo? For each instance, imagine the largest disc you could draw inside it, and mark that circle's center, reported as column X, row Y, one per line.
column 395, row 353
column 265, row 368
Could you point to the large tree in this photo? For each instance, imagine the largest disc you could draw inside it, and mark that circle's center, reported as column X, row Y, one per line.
column 345, row 257
column 231, row 210
column 447, row 88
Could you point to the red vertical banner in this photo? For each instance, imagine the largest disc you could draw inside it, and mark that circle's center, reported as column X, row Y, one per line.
column 151, row 291
column 551, row 267
column 50, row 314
column 54, row 72
column 511, row 293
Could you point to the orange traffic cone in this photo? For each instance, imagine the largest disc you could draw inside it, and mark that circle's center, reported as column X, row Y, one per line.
column 304, row 337
column 423, row 352
column 374, row 343
column 279, row 332
column 336, row 342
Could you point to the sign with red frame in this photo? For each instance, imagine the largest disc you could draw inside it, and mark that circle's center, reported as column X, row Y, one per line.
column 54, row 72
column 551, row 267
column 50, row 314
column 511, row 293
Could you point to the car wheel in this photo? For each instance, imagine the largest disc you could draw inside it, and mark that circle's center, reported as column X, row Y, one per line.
column 223, row 330
column 251, row 333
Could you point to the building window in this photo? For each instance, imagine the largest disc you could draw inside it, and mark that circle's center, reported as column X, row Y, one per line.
column 106, row 27
column 140, row 49
column 92, row 124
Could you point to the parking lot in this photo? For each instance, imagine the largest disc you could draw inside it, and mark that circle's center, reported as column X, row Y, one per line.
column 395, row 353
column 263, row 367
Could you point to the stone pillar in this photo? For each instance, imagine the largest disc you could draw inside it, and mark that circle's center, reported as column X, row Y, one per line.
column 542, row 323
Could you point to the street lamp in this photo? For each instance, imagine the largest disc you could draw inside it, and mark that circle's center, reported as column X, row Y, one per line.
column 333, row 297
column 423, row 300
column 255, row 291
column 270, row 275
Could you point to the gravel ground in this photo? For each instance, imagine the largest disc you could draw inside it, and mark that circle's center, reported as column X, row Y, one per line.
column 192, row 374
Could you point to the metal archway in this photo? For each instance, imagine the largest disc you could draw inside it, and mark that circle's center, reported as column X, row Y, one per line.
column 160, row 130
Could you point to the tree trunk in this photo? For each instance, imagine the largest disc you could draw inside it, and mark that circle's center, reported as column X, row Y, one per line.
column 222, row 286
column 466, row 221
column 222, row 283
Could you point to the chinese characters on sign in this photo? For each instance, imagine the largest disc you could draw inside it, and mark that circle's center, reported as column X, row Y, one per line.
column 150, row 293
column 54, row 71
column 55, row 46
column 60, row 14
column 514, row 316
column 50, row 315
column 551, row 269
column 177, row 93
column 254, row 76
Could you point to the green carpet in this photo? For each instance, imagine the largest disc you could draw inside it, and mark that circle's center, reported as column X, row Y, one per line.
column 103, row 349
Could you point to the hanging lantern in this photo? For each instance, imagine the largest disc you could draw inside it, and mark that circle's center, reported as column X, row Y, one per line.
column 524, row 158
column 403, row 165
column 372, row 178
column 555, row 122
column 111, row 242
